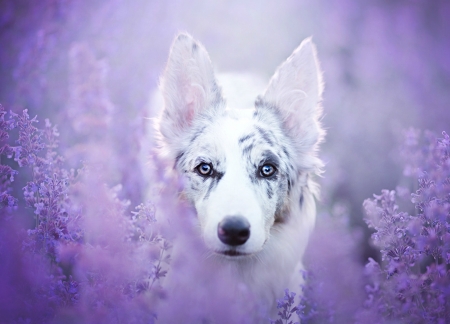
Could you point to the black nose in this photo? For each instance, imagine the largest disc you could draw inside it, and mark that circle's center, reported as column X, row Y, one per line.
column 234, row 230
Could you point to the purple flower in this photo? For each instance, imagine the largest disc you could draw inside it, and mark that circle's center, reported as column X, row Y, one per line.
column 413, row 279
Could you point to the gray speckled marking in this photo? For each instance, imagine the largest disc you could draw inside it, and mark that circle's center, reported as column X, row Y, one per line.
column 265, row 135
column 182, row 37
column 269, row 157
column 269, row 190
column 212, row 185
column 289, row 185
column 214, row 178
column 197, row 134
column 246, row 137
column 261, row 103
column 178, row 158
column 248, row 149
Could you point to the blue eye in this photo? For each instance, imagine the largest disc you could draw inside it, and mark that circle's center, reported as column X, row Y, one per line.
column 204, row 169
column 267, row 170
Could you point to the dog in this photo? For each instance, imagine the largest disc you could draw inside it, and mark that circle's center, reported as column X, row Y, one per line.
column 248, row 173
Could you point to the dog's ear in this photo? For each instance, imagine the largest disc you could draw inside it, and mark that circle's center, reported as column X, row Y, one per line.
column 295, row 93
column 188, row 87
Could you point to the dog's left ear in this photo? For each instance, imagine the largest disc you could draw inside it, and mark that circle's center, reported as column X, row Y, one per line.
column 295, row 93
column 188, row 87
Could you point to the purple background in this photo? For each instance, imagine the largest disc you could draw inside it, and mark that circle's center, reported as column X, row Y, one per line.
column 386, row 67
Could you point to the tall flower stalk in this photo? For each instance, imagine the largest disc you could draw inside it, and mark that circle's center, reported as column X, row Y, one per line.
column 412, row 282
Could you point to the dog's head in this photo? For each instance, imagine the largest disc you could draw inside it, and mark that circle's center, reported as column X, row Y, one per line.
column 243, row 169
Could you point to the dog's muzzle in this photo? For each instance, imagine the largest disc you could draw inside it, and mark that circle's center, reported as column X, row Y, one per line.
column 233, row 230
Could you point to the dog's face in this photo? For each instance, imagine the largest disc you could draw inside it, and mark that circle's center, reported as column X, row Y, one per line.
column 240, row 167
column 238, row 171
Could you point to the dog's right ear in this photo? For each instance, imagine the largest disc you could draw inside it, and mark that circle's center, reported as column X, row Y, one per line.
column 294, row 94
column 188, row 87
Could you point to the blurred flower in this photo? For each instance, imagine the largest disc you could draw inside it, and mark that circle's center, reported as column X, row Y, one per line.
column 413, row 281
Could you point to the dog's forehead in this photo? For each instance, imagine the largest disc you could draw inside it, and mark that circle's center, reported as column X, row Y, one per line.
column 237, row 122
column 240, row 135
column 218, row 138
column 227, row 132
column 236, row 136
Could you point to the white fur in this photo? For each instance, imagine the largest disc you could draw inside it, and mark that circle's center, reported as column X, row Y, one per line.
column 197, row 126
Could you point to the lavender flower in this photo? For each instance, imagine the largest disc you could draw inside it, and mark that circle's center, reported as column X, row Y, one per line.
column 7, row 173
column 286, row 309
column 30, row 141
column 412, row 283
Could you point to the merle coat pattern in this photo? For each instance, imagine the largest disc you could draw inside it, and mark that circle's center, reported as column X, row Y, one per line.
column 247, row 172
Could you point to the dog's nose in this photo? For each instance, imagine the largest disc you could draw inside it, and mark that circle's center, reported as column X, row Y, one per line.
column 234, row 230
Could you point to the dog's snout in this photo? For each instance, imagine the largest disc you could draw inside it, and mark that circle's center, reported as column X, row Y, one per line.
column 234, row 230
